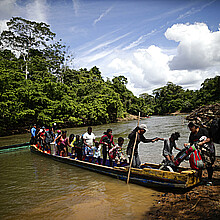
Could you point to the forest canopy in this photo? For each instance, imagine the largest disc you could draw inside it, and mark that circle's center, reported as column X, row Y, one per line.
column 38, row 86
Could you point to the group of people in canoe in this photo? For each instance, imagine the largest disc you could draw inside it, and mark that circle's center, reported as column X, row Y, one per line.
column 199, row 150
column 79, row 147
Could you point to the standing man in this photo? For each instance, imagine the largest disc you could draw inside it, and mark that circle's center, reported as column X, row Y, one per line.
column 88, row 140
column 140, row 138
column 33, row 131
column 200, row 136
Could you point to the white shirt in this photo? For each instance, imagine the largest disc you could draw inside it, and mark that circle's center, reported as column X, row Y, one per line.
column 89, row 138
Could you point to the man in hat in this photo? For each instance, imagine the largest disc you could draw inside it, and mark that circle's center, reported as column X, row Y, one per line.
column 140, row 130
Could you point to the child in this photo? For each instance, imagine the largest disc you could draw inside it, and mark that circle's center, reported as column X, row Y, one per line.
column 119, row 155
column 97, row 153
column 116, row 152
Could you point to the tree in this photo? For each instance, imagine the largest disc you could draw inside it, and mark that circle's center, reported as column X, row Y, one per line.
column 210, row 91
column 164, row 96
column 23, row 35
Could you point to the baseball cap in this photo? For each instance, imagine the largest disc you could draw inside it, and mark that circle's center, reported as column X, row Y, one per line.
column 143, row 127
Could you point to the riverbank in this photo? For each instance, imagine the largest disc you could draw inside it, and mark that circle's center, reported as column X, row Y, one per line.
column 202, row 202
column 24, row 130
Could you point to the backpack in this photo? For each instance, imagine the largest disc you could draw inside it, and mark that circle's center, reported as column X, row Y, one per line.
column 195, row 160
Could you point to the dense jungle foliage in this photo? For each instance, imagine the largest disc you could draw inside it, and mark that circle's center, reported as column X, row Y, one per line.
column 38, row 86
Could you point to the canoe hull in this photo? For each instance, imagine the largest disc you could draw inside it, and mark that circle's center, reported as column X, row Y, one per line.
column 144, row 177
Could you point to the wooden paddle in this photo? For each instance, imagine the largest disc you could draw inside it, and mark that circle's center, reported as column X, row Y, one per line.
column 129, row 171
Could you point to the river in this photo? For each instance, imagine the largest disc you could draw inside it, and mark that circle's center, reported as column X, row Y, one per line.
column 34, row 187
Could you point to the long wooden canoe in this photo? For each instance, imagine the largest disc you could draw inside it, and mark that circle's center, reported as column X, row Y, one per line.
column 149, row 176
column 15, row 146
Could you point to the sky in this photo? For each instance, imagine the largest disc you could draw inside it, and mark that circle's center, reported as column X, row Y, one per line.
column 150, row 42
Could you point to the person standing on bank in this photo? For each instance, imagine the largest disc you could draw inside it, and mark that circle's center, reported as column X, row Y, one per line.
column 201, row 138
column 141, row 129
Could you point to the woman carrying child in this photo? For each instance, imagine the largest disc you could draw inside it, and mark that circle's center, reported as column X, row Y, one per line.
column 66, row 143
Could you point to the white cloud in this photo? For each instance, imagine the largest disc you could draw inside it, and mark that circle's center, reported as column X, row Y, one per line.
column 194, row 10
column 102, row 15
column 33, row 9
column 7, row 8
column 77, row 30
column 147, row 69
column 106, row 43
column 139, row 41
column 37, row 10
column 198, row 48
column 76, row 6
column 3, row 25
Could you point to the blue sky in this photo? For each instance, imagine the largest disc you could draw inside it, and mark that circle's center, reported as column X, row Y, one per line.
column 150, row 42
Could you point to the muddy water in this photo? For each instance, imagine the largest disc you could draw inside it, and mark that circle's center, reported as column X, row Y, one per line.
column 33, row 187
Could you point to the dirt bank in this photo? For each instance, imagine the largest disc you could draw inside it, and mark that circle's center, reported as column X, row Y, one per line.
column 128, row 117
column 202, row 202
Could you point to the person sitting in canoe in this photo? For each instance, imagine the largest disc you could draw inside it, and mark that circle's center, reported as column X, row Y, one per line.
column 107, row 142
column 140, row 130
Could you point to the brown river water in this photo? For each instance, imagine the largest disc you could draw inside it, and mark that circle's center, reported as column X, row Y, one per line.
column 34, row 187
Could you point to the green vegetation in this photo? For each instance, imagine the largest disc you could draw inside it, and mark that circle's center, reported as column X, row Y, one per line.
column 37, row 86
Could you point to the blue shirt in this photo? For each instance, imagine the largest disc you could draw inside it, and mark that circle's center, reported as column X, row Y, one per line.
column 33, row 130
